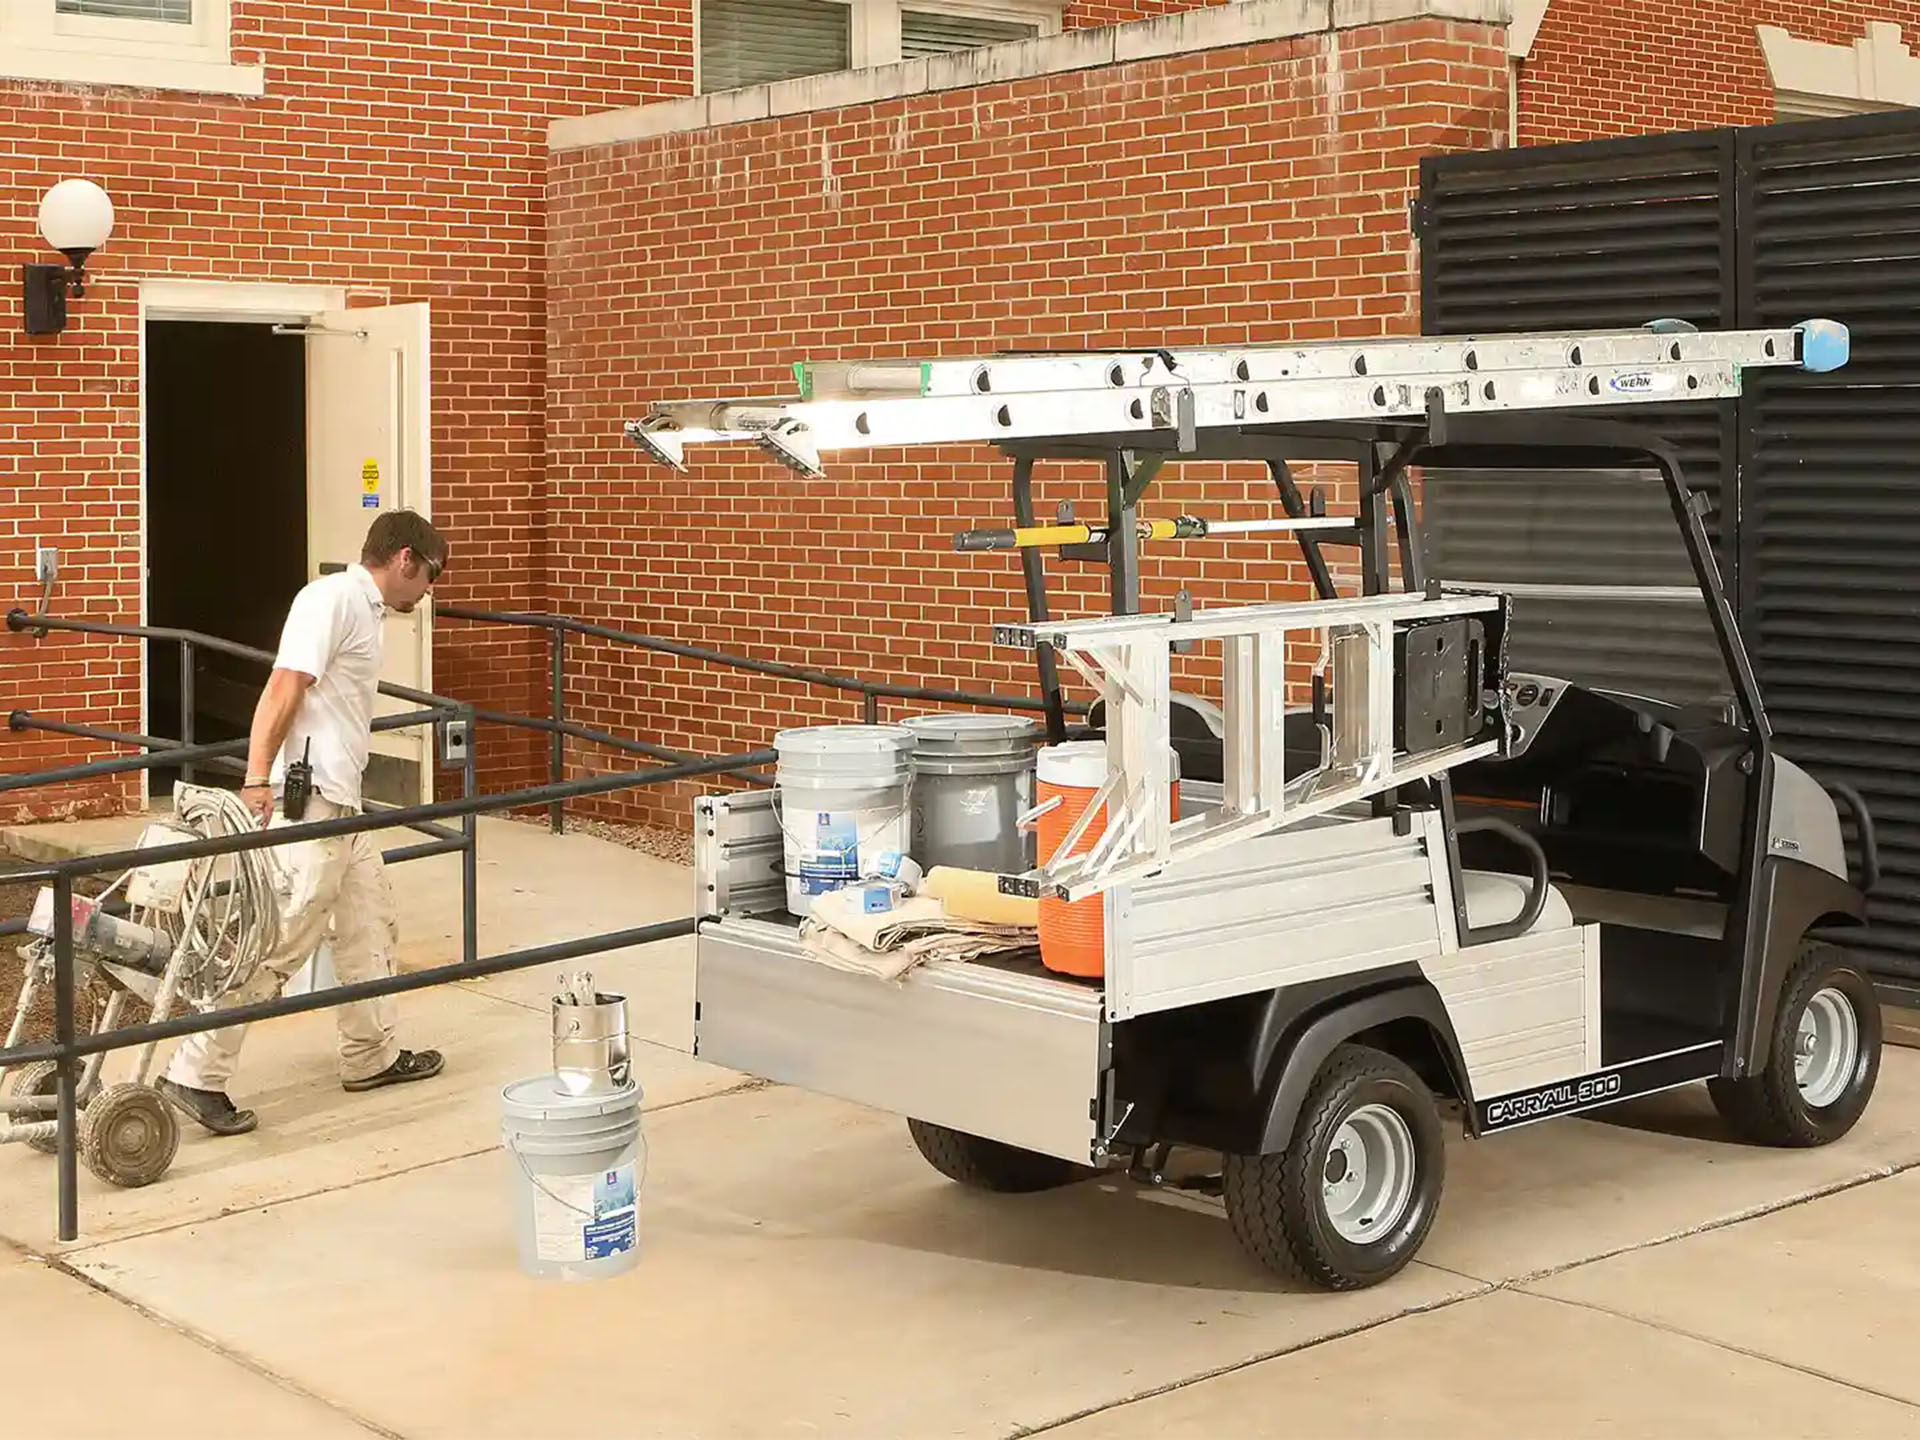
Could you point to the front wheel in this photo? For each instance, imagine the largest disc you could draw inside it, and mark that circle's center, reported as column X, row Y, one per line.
column 1350, row 1200
column 1823, row 1058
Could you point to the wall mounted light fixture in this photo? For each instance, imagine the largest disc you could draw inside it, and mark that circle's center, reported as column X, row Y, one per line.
column 76, row 217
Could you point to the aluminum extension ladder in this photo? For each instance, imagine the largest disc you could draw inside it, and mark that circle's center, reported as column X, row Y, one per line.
column 1127, row 659
column 871, row 404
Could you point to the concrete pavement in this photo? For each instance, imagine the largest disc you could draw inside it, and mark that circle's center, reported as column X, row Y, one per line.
column 348, row 1269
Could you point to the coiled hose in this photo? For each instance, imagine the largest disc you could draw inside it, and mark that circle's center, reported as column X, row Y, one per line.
column 228, row 917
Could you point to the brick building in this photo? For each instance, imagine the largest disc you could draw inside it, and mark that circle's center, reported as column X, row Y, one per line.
column 605, row 202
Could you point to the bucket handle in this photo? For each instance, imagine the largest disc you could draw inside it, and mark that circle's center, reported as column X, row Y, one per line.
column 639, row 1180
column 860, row 841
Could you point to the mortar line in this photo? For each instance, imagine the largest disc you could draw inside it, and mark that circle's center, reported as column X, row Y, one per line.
column 1654, row 1323
column 1516, row 1284
column 207, row 1342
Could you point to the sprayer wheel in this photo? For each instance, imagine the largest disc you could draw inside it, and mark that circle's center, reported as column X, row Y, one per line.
column 129, row 1135
column 40, row 1078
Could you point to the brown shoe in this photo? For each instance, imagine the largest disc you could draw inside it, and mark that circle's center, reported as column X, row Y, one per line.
column 411, row 1065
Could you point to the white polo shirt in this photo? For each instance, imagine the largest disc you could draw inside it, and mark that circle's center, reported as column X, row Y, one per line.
column 334, row 632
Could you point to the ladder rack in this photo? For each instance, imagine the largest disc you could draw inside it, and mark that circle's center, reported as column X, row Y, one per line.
column 869, row 404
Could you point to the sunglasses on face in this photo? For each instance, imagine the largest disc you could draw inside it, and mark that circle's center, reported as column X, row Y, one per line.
column 433, row 566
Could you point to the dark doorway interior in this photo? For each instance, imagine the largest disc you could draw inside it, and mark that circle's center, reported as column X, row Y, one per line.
column 226, row 513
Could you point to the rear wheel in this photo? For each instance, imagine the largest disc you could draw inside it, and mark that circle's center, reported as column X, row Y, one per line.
column 41, row 1079
column 988, row 1164
column 1350, row 1200
column 1823, row 1058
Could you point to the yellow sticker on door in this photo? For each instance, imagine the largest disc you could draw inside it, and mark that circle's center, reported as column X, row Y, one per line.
column 370, row 485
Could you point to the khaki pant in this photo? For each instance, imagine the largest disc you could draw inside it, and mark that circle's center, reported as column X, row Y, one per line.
column 342, row 880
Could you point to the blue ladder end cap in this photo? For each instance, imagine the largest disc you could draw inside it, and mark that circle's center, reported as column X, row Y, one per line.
column 1824, row 345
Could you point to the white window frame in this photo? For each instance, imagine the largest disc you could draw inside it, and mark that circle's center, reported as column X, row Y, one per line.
column 1812, row 80
column 37, row 42
column 875, row 34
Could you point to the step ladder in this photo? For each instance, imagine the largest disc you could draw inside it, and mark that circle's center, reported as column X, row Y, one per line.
column 861, row 405
column 1369, row 744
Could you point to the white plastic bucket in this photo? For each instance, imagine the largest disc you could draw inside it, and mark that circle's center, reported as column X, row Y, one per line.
column 841, row 795
column 576, row 1164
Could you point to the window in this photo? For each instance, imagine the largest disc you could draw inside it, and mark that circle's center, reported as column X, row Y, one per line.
column 932, row 32
column 757, row 42
column 159, row 44
column 171, row 12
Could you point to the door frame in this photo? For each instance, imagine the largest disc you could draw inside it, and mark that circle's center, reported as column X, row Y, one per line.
column 235, row 302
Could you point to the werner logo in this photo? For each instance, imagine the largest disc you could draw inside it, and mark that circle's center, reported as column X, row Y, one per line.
column 1640, row 382
column 1552, row 1099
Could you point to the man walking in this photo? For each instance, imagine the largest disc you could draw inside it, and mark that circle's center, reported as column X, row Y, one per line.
column 317, row 708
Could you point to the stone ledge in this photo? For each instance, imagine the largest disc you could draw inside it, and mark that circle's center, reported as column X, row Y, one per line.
column 1191, row 31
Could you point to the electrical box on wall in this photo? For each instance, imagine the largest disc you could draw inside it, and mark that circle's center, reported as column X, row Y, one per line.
column 453, row 742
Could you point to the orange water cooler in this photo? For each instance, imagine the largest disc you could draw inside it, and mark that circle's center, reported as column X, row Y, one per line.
column 1073, row 935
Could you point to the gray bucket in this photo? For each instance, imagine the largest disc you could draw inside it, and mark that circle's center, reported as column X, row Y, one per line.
column 972, row 779
column 577, row 1163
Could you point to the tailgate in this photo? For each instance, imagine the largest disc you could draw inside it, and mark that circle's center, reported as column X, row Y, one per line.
column 1011, row 1056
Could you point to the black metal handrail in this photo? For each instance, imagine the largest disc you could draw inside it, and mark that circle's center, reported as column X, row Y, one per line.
column 67, row 1049
column 558, row 627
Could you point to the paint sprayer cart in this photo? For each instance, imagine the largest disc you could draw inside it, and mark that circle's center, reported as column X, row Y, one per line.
column 192, row 932
column 1479, row 870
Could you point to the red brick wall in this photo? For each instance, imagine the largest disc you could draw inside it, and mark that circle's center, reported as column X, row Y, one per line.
column 1214, row 198
column 1089, row 14
column 1596, row 72
column 400, row 150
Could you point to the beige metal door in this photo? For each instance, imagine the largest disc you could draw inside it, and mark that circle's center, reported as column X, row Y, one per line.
column 368, row 427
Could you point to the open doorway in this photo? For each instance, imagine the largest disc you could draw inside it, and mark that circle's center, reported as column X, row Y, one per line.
column 226, row 512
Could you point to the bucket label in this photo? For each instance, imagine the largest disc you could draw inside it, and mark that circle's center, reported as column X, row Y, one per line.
column 836, row 854
column 586, row 1217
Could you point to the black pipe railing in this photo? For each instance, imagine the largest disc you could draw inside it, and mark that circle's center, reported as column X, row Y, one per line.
column 559, row 627
column 67, row 1049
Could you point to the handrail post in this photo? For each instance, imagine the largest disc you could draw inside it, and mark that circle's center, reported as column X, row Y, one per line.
column 870, row 706
column 67, row 1109
column 557, row 746
column 470, row 855
column 186, row 706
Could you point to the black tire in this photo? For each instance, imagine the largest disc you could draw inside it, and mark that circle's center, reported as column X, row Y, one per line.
column 1769, row 1108
column 1277, row 1203
column 988, row 1164
column 128, row 1135
column 42, row 1077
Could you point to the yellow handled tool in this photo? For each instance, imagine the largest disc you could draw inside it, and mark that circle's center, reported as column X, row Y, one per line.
column 1183, row 527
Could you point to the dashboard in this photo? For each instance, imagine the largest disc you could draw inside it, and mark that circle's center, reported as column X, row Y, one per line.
column 1621, row 791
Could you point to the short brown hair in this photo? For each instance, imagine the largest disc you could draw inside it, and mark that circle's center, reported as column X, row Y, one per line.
column 398, row 530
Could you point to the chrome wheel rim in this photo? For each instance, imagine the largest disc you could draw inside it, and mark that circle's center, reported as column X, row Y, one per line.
column 1826, row 1048
column 1366, row 1183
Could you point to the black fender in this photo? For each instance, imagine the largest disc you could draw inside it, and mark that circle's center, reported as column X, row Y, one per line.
column 1795, row 897
column 1295, row 1067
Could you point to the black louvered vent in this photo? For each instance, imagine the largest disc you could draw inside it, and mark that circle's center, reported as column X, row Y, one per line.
column 1606, row 236
column 1830, row 480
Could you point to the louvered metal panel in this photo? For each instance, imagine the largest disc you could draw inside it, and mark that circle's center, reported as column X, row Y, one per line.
column 1595, row 528
column 1830, row 480
column 1607, row 235
column 758, row 42
column 929, row 32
